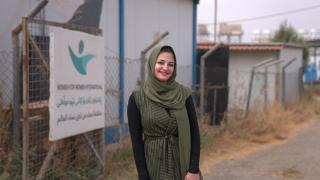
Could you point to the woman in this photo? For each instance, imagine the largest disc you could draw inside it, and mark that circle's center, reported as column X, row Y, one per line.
column 163, row 123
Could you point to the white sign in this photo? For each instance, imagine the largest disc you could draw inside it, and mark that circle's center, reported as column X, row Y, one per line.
column 76, row 102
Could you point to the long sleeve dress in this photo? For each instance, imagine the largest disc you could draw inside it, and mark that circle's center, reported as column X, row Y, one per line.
column 155, row 141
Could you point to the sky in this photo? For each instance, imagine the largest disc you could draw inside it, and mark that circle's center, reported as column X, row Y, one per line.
column 229, row 10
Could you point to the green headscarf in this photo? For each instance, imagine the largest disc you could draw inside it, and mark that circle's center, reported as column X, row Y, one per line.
column 171, row 95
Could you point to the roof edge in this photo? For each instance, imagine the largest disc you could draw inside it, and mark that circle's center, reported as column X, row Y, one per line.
column 253, row 46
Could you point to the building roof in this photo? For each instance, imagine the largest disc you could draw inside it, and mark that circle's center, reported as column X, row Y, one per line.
column 313, row 43
column 251, row 46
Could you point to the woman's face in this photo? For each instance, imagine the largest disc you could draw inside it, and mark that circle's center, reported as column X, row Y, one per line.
column 164, row 67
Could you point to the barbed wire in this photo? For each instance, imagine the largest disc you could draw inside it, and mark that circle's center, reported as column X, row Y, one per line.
column 7, row 54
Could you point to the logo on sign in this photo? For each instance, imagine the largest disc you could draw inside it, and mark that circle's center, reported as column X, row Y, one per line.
column 80, row 61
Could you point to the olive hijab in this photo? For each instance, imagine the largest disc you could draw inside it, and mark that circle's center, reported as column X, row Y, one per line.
column 171, row 95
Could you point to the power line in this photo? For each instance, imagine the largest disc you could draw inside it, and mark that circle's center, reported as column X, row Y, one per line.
column 272, row 15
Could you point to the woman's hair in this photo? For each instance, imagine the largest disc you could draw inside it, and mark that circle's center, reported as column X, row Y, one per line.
column 168, row 49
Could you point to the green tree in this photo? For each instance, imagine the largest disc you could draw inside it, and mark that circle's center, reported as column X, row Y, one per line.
column 287, row 34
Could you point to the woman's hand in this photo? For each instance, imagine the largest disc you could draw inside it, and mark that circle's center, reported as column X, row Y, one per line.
column 191, row 176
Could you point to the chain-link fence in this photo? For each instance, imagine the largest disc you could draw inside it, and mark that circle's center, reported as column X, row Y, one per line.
column 263, row 87
column 9, row 161
column 116, row 128
column 75, row 153
column 112, row 90
column 246, row 89
column 25, row 149
column 215, row 94
column 80, row 156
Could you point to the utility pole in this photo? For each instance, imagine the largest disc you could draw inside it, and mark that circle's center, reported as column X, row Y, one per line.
column 215, row 20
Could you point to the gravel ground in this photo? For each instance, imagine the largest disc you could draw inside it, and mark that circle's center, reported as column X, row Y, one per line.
column 297, row 159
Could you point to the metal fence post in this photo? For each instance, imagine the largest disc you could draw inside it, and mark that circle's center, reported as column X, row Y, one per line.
column 25, row 100
column 202, row 76
column 266, row 78
column 214, row 106
column 251, row 81
column 16, row 90
column 250, row 90
column 283, row 98
column 266, row 87
column 300, row 82
column 202, row 84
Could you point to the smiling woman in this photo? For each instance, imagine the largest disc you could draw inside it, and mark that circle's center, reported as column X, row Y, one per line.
column 163, row 123
column 165, row 65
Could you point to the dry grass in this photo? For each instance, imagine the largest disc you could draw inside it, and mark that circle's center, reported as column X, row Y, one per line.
column 6, row 158
column 235, row 138
column 291, row 173
column 312, row 89
column 241, row 135
column 119, row 161
column 5, row 123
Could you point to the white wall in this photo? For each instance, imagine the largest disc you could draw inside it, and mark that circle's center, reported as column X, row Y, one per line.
column 240, row 65
column 10, row 15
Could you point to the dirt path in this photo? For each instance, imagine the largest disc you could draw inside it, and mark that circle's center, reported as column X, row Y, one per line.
column 297, row 159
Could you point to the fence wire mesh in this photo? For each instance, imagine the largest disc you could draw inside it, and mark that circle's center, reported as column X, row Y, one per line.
column 215, row 92
column 263, row 90
column 76, row 157
column 132, row 78
column 9, row 134
column 112, row 90
column 229, row 89
column 268, row 86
